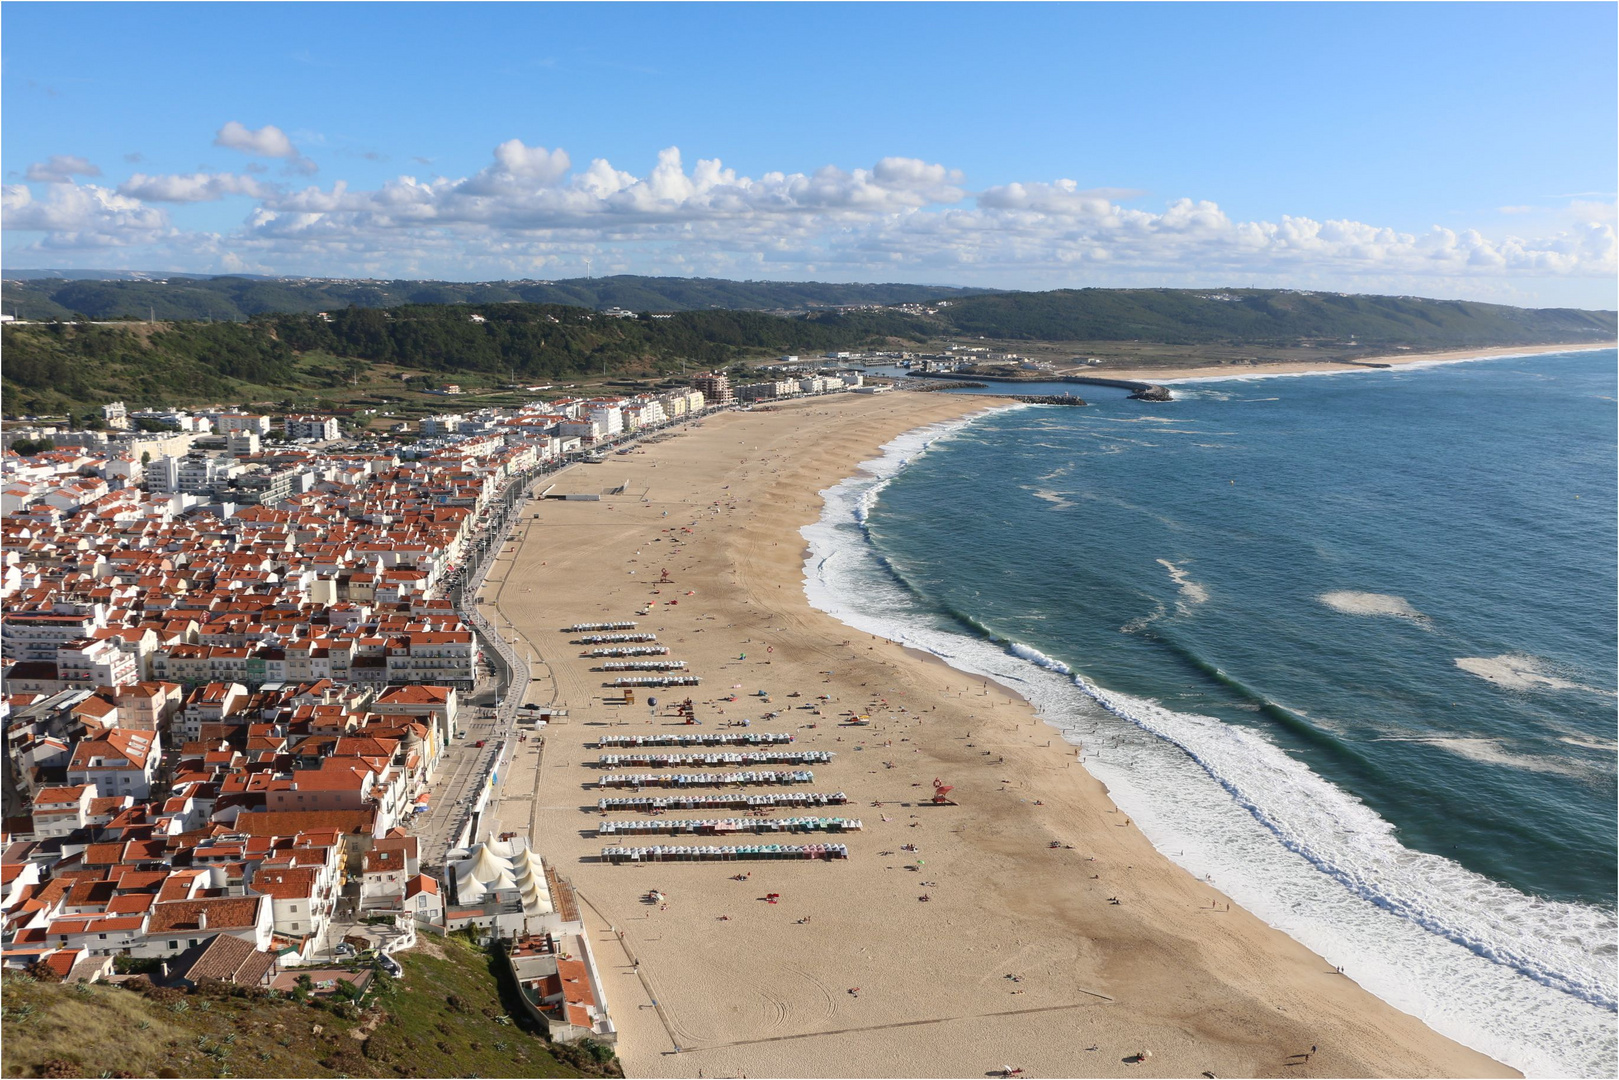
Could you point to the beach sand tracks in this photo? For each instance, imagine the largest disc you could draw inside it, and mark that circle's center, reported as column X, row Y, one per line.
column 787, row 1002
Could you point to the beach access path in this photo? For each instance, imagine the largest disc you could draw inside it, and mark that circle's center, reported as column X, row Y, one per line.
column 1017, row 956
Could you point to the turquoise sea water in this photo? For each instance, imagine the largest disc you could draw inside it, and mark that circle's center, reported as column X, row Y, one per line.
column 1346, row 644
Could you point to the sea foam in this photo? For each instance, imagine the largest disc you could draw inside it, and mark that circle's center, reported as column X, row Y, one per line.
column 1192, row 593
column 1370, row 603
column 1528, row 981
column 1516, row 671
column 1492, row 752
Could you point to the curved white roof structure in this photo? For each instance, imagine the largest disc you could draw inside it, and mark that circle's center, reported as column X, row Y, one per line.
column 503, row 864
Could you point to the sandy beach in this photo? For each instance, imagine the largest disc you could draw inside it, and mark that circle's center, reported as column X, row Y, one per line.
column 1018, row 956
column 1325, row 367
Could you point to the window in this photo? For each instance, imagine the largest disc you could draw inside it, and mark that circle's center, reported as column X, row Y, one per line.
column 174, row 946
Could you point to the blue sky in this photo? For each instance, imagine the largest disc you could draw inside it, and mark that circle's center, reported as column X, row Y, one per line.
column 1447, row 150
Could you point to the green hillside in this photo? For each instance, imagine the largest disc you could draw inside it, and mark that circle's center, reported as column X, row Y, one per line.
column 290, row 356
column 452, row 1015
column 1267, row 317
column 242, row 297
column 56, row 366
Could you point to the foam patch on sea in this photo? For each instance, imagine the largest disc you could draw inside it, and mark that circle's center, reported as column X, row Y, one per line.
column 1516, row 671
column 1370, row 603
column 1533, row 983
column 1493, row 752
column 1191, row 593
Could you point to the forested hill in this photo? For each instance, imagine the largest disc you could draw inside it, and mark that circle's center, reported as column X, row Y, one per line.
column 1267, row 317
column 49, row 365
column 190, row 297
column 1172, row 316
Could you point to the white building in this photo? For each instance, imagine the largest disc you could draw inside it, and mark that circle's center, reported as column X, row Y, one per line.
column 230, row 423
column 446, row 424
column 36, row 635
column 320, row 428
column 117, row 763
column 90, row 664
column 60, row 810
column 386, row 872
column 609, row 418
column 242, row 443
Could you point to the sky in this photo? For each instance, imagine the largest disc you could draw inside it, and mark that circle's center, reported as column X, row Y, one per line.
column 1451, row 150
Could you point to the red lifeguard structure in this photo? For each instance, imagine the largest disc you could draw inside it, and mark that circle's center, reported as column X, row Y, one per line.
column 941, row 793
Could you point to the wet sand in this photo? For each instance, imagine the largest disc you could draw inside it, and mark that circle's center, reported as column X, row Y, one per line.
column 1018, row 956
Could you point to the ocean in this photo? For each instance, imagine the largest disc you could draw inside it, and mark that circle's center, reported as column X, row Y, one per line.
column 1344, row 645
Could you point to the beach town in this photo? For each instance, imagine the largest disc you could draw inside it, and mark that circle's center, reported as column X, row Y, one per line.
column 550, row 672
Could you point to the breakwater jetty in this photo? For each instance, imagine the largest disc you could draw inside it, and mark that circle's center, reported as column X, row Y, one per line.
column 1140, row 391
column 958, row 384
column 1049, row 399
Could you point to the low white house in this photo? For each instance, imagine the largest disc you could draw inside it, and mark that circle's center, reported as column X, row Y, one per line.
column 117, row 763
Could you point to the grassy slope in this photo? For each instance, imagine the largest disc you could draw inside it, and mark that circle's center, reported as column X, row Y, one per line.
column 410, row 1029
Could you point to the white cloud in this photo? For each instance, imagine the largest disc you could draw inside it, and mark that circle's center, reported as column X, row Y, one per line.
column 530, row 211
column 536, row 164
column 524, row 190
column 191, row 187
column 268, row 141
column 82, row 216
column 60, row 169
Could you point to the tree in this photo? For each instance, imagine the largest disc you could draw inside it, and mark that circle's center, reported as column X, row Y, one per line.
column 146, row 457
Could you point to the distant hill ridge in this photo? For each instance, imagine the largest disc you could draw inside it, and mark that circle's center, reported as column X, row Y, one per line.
column 49, row 365
column 61, row 294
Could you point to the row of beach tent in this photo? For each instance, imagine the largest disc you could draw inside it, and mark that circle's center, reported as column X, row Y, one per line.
column 767, row 776
column 729, row 825
column 752, row 757
column 582, row 627
column 654, row 680
column 735, row 801
column 613, row 639
column 641, row 665
column 711, row 738
column 630, row 650
column 711, row 853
